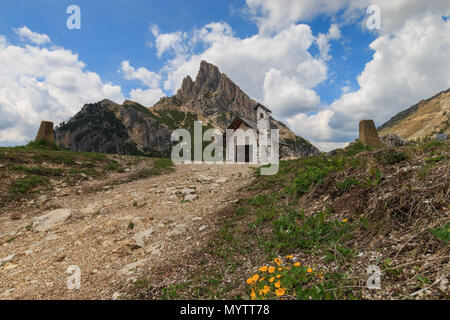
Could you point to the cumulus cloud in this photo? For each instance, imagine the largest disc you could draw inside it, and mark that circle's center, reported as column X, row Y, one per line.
column 168, row 41
column 275, row 15
column 43, row 84
column 259, row 64
column 286, row 96
column 148, row 78
column 407, row 66
column 323, row 41
column 27, row 35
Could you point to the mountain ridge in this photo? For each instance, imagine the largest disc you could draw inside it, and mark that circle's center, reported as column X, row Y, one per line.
column 212, row 98
column 426, row 118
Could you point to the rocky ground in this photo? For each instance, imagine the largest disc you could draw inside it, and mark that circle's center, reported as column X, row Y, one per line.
column 113, row 235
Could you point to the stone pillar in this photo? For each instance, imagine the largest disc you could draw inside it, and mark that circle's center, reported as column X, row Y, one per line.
column 46, row 132
column 368, row 134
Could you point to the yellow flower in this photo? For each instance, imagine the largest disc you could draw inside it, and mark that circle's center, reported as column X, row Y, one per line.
column 290, row 257
column 255, row 277
column 344, row 220
column 249, row 281
column 272, row 279
column 277, row 261
column 271, row 269
column 280, row 269
column 261, row 292
column 278, row 284
column 263, row 269
column 262, row 279
column 321, row 276
column 297, row 264
column 253, row 295
column 309, row 270
column 266, row 289
column 279, row 276
column 280, row 292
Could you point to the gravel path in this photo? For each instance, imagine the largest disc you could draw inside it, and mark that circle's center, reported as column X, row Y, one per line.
column 113, row 236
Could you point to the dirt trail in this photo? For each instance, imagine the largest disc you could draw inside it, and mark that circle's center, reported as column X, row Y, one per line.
column 114, row 236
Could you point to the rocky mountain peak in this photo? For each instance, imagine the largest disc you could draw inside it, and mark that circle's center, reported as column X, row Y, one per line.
column 208, row 74
column 213, row 93
column 107, row 102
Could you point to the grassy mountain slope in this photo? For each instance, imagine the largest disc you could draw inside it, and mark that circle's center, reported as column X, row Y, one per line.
column 426, row 118
column 324, row 221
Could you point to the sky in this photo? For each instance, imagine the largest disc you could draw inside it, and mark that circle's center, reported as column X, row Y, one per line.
column 319, row 65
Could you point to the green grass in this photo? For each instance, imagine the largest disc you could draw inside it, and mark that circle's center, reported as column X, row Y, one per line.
column 293, row 230
column 357, row 148
column 347, row 184
column 26, row 168
column 41, row 144
column 442, row 233
column 392, row 156
column 25, row 185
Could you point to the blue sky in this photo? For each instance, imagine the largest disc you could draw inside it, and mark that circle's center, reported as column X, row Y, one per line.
column 117, row 30
column 141, row 50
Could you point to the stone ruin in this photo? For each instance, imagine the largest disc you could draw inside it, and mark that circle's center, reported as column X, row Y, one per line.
column 368, row 134
column 392, row 140
column 46, row 132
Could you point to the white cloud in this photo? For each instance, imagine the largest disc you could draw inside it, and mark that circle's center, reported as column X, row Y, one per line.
column 322, row 41
column 43, row 84
column 146, row 97
column 274, row 15
column 168, row 41
column 247, row 62
column 147, row 77
column 407, row 66
column 27, row 35
column 286, row 96
column 394, row 14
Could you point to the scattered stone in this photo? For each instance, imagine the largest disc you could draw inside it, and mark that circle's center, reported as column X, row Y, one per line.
column 188, row 191
column 46, row 132
column 222, row 180
column 202, row 228
column 392, row 140
column 190, row 197
column 441, row 137
column 91, row 209
column 124, row 250
column 7, row 292
column 15, row 216
column 132, row 244
column 154, row 249
column 1, row 165
column 51, row 219
column 60, row 257
column 42, row 198
column 142, row 237
column 52, row 237
column 7, row 259
column 127, row 269
column 178, row 230
column 116, row 295
column 10, row 266
column 368, row 134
